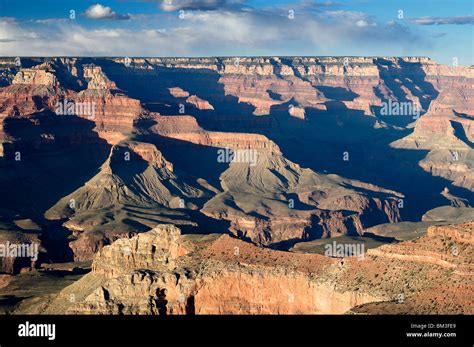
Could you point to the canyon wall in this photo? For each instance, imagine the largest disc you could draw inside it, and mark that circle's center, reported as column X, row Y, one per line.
column 310, row 121
column 163, row 272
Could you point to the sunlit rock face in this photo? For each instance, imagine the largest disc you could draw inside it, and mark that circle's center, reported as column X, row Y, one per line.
column 271, row 151
column 164, row 272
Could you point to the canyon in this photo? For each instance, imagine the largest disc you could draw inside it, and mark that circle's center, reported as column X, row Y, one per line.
column 137, row 168
column 164, row 272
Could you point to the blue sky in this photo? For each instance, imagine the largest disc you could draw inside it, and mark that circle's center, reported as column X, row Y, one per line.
column 440, row 29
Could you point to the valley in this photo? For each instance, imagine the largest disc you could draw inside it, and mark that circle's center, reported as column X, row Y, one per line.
column 224, row 178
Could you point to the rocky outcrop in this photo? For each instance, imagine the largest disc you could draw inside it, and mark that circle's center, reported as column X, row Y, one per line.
column 135, row 183
column 433, row 248
column 463, row 233
column 113, row 112
column 32, row 90
column 35, row 77
column 149, row 153
column 199, row 103
column 161, row 246
column 163, row 272
column 160, row 272
column 97, row 80
column 227, row 140
column 178, row 92
column 194, row 100
column 448, row 138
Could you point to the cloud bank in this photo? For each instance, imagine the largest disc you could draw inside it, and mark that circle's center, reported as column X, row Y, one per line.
column 222, row 31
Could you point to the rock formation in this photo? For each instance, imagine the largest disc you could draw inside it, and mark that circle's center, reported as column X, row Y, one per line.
column 135, row 183
column 260, row 152
column 269, row 199
column 163, row 272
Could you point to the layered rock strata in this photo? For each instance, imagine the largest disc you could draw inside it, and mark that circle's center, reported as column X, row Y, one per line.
column 163, row 272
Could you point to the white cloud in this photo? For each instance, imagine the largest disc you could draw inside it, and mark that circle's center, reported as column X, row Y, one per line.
column 216, row 33
column 10, row 32
column 99, row 11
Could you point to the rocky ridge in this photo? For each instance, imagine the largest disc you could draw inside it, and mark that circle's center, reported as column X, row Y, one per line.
column 241, row 103
column 163, row 272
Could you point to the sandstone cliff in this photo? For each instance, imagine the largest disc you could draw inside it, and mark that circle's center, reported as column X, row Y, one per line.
column 163, row 272
column 269, row 199
column 298, row 115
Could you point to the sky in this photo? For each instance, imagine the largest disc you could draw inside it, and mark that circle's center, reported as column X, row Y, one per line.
column 440, row 29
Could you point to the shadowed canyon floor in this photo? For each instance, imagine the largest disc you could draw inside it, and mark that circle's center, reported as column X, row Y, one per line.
column 202, row 185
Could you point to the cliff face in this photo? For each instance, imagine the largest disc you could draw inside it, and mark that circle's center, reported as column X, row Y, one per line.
column 175, row 280
column 447, row 129
column 31, row 90
column 38, row 89
column 262, row 190
column 462, row 233
column 159, row 247
column 311, row 102
column 35, row 77
column 448, row 140
column 301, row 124
column 357, row 82
column 163, row 272
column 113, row 113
